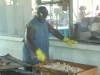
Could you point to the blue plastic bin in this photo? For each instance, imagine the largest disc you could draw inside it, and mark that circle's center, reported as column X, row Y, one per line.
column 65, row 32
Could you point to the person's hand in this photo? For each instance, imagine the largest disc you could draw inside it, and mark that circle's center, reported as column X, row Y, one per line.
column 69, row 42
column 88, row 13
column 41, row 56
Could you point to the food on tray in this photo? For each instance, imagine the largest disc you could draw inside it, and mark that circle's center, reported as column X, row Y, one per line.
column 63, row 67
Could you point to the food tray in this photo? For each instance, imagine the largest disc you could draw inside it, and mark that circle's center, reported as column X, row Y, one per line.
column 88, row 69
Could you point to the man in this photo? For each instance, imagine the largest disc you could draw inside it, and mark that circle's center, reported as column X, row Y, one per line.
column 36, row 41
column 95, row 28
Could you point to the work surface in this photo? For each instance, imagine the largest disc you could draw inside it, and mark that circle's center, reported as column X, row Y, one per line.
column 9, row 62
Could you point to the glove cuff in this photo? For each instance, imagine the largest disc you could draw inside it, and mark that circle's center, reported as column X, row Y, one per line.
column 65, row 39
column 38, row 50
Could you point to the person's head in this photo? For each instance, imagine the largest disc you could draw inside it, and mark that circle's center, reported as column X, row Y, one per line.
column 98, row 7
column 42, row 13
column 96, row 19
column 82, row 8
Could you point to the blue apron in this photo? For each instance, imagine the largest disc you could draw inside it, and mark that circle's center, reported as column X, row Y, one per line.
column 41, row 40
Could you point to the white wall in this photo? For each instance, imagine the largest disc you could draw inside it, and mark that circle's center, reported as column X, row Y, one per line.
column 13, row 18
column 11, row 45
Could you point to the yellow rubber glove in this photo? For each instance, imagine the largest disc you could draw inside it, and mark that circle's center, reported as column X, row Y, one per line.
column 69, row 42
column 40, row 54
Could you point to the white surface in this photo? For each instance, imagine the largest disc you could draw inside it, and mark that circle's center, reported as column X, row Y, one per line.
column 11, row 38
column 57, row 42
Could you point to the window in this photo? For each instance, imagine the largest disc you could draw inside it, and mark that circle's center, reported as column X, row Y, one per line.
column 14, row 15
column 85, row 20
column 58, row 19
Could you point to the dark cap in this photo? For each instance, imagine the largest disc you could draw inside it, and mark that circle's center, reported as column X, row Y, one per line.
column 43, row 10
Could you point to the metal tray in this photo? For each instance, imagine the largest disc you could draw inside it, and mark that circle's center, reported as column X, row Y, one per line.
column 17, row 72
column 14, row 63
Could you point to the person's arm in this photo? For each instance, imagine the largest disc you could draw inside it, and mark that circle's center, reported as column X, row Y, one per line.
column 88, row 13
column 29, row 35
column 96, row 14
column 57, row 34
